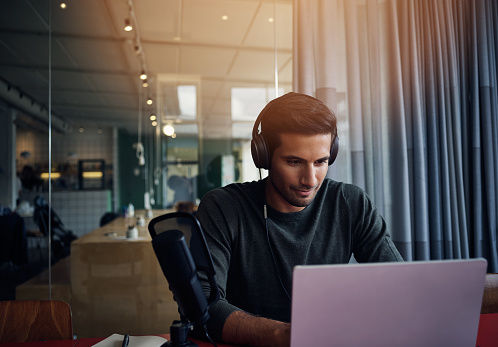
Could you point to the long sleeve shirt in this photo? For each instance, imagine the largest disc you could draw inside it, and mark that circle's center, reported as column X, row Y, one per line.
column 254, row 257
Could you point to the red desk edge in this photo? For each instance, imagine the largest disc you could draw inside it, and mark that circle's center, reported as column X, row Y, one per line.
column 487, row 336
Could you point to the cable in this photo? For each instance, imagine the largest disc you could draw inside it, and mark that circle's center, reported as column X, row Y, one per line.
column 273, row 256
column 208, row 337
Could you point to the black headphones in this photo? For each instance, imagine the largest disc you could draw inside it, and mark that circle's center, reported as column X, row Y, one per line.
column 261, row 152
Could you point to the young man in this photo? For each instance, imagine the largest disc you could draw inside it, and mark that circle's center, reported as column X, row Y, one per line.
column 258, row 231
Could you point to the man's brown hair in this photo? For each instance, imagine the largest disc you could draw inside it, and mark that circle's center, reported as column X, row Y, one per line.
column 296, row 113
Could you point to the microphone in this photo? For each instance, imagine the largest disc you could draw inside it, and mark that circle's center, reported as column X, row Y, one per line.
column 170, row 234
column 179, row 269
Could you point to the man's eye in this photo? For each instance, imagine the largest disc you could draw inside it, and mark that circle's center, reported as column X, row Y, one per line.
column 322, row 161
column 293, row 162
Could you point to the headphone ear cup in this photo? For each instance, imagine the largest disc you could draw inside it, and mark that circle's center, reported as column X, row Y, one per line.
column 259, row 152
column 334, row 149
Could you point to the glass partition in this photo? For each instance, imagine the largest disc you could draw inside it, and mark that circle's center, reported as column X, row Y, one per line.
column 96, row 146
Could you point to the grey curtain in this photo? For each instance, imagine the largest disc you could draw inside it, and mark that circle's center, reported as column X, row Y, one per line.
column 413, row 83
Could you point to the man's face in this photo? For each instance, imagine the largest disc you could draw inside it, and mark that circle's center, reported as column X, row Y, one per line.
column 298, row 168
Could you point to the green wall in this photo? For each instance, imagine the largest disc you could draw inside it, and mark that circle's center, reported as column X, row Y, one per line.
column 131, row 187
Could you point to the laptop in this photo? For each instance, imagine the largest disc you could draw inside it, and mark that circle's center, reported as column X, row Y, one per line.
column 421, row 303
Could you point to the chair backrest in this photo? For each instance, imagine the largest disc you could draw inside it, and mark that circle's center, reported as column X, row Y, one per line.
column 14, row 246
column 108, row 217
column 42, row 214
column 490, row 295
column 35, row 320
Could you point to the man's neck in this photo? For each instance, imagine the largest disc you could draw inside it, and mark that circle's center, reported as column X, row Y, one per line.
column 274, row 199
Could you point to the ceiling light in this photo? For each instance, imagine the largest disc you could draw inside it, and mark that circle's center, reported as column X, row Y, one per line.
column 168, row 130
column 127, row 26
column 81, row 129
column 149, row 101
column 224, row 17
column 63, row 5
column 154, row 123
column 270, row 20
column 143, row 76
column 153, row 117
column 145, row 84
column 99, row 131
column 177, row 38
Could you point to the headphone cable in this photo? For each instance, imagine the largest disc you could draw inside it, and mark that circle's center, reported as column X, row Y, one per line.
column 272, row 255
column 209, row 337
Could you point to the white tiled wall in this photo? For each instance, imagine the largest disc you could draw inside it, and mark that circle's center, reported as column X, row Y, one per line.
column 87, row 145
column 79, row 210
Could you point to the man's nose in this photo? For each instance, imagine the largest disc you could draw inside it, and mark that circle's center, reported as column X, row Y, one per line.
column 308, row 176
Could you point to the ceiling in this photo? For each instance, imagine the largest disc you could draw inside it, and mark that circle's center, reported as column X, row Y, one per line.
column 89, row 75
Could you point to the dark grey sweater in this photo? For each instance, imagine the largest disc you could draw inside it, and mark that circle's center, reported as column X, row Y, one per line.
column 340, row 221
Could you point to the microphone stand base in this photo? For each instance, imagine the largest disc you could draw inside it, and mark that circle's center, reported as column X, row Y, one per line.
column 178, row 335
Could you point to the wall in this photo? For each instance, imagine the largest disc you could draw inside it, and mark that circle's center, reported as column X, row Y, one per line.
column 79, row 210
column 182, row 170
column 212, row 151
column 7, row 159
column 131, row 175
column 66, row 149
column 190, row 168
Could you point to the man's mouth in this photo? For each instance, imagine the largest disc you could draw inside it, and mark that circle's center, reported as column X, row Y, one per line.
column 304, row 192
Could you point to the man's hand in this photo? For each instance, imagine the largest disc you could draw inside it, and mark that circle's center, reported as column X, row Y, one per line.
column 242, row 328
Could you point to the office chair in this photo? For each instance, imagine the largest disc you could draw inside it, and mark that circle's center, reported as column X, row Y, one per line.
column 490, row 295
column 14, row 246
column 108, row 217
column 40, row 243
column 61, row 237
column 35, row 320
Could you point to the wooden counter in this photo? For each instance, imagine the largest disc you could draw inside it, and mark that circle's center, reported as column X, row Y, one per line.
column 117, row 284
column 37, row 287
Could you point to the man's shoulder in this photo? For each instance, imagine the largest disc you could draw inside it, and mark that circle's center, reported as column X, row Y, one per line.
column 232, row 198
column 235, row 189
column 236, row 193
column 346, row 189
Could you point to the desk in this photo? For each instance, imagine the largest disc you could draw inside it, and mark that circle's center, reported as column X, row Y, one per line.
column 88, row 342
column 117, row 283
column 486, row 337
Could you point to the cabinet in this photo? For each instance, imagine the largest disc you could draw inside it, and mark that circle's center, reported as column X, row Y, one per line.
column 91, row 174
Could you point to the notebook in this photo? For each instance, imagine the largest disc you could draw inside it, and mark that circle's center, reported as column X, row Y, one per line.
column 423, row 303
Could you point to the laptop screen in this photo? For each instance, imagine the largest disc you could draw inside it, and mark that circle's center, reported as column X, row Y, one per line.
column 423, row 303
